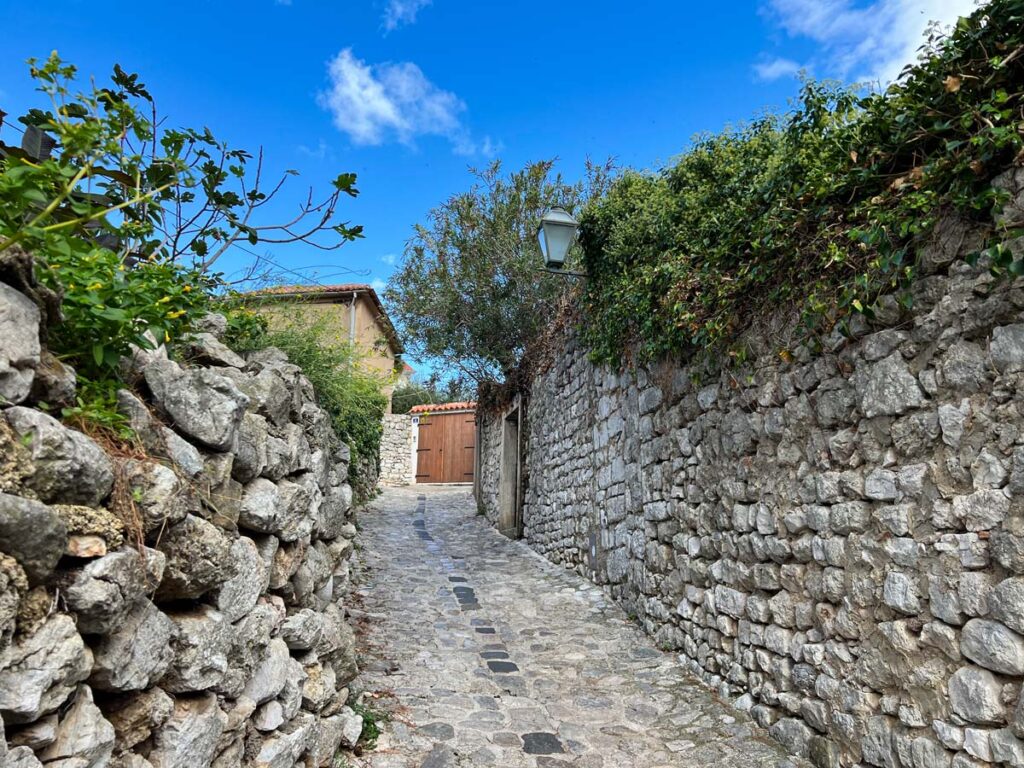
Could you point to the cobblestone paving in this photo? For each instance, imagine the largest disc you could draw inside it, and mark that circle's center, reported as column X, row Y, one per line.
column 486, row 654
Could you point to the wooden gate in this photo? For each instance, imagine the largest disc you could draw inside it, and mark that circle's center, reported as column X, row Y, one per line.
column 446, row 446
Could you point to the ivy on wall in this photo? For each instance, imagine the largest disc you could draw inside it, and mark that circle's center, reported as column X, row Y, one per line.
column 820, row 210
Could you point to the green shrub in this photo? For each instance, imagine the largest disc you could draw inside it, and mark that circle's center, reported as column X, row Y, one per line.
column 819, row 211
column 351, row 394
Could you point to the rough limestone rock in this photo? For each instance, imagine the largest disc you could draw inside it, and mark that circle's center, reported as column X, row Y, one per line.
column 137, row 653
column 291, row 694
column 976, row 695
column 887, row 387
column 351, row 727
column 207, row 349
column 297, row 512
column 37, row 735
column 249, row 646
column 55, row 382
column 334, row 512
column 159, row 494
column 200, row 650
column 239, row 594
column 189, row 737
column 251, row 451
column 271, row 674
column 70, row 468
column 268, row 394
column 303, row 629
column 19, row 344
column 1007, row 348
column 82, row 734
column 21, row 757
column 136, row 716
column 1006, row 603
column 198, row 559
column 220, row 492
column 33, row 534
column 261, row 507
column 202, row 404
column 284, row 748
column 105, row 590
column 992, row 646
column 39, row 672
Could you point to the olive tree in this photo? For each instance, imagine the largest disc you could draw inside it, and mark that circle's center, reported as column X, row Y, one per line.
column 471, row 293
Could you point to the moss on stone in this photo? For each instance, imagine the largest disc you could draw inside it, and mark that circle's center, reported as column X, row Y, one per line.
column 94, row 521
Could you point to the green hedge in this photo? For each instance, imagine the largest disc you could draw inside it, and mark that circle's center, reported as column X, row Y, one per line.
column 820, row 210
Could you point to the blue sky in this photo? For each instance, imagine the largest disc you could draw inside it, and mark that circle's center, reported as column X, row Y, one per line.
column 409, row 93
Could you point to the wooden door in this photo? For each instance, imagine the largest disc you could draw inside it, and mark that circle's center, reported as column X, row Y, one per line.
column 446, row 445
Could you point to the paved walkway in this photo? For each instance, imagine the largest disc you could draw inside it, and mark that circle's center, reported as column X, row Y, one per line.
column 488, row 655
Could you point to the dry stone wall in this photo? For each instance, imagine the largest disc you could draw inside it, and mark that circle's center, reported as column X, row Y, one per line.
column 397, row 450
column 180, row 605
column 838, row 542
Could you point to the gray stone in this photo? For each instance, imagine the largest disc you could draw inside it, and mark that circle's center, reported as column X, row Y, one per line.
column 55, row 382
column 351, row 727
column 83, row 734
column 334, row 511
column 19, row 344
column 1006, row 748
column 887, row 388
column 158, row 494
column 21, row 757
column 202, row 404
column 239, row 594
column 261, row 508
column 136, row 715
column 1007, row 348
column 900, row 592
column 33, row 534
column 200, row 650
column 1006, row 603
column 198, row 559
column 137, row 653
column 271, row 674
column 39, row 672
column 251, row 451
column 326, row 742
column 976, row 696
column 982, row 510
column 207, row 349
column 303, row 629
column 793, row 734
column 269, row 716
column 37, row 735
column 190, row 736
column 249, row 646
column 993, row 646
column 105, row 590
column 70, row 468
column 283, row 748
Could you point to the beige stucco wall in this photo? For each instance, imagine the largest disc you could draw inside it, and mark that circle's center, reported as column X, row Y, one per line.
column 371, row 342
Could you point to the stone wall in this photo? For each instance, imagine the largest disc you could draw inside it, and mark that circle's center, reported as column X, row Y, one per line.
column 397, row 450
column 836, row 542
column 179, row 603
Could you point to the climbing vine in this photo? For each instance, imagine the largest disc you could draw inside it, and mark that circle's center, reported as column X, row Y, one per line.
column 821, row 209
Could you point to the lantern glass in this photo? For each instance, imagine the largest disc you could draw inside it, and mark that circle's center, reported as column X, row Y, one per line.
column 557, row 233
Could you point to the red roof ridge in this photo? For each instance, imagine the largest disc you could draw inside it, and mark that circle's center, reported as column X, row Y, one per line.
column 435, row 407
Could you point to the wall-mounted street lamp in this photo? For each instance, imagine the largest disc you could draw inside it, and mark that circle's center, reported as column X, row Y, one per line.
column 557, row 233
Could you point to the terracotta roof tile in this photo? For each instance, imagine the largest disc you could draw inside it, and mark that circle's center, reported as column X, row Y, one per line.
column 435, row 408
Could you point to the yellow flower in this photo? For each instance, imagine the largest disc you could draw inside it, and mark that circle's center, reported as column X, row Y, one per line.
column 176, row 314
column 164, row 300
column 186, row 289
column 167, row 337
column 94, row 287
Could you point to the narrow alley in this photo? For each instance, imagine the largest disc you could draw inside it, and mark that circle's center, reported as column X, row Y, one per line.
column 485, row 654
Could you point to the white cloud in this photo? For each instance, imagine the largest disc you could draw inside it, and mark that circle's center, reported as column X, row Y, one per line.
column 389, row 259
column 776, row 68
column 320, row 152
column 381, row 102
column 378, row 285
column 401, row 12
column 865, row 42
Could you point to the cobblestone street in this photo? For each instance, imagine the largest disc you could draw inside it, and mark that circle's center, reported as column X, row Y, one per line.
column 485, row 654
